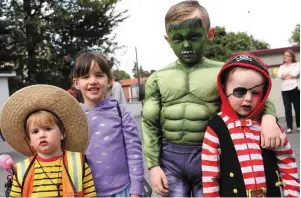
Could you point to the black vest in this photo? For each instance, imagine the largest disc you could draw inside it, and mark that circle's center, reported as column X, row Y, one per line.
column 231, row 177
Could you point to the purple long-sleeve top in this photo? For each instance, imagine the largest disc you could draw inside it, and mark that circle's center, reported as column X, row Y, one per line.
column 114, row 152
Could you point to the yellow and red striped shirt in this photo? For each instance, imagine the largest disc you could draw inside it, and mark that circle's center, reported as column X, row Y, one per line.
column 46, row 185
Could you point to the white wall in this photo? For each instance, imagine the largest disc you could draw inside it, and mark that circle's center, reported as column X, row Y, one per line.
column 4, row 91
column 276, row 58
column 276, row 97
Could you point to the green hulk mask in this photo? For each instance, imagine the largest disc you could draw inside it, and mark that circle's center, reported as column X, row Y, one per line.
column 188, row 39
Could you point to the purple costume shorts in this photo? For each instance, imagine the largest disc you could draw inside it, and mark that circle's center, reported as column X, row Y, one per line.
column 182, row 166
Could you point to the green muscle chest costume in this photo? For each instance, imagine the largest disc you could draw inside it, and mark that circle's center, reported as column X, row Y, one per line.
column 179, row 101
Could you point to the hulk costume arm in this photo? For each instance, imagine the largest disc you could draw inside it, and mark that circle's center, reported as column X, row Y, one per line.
column 151, row 127
column 269, row 108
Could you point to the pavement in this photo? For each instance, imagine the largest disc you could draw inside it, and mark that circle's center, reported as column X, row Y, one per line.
column 294, row 139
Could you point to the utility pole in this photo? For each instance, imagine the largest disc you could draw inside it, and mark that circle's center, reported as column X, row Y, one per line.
column 138, row 73
column 139, row 86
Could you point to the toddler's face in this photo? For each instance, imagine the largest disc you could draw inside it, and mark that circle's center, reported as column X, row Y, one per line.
column 46, row 139
column 242, row 101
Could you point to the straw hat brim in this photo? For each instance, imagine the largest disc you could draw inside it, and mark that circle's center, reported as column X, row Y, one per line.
column 44, row 97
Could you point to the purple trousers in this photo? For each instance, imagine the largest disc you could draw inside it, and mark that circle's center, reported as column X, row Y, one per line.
column 182, row 166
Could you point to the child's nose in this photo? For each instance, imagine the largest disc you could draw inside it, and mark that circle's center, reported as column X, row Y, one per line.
column 248, row 96
column 92, row 79
column 186, row 44
column 42, row 134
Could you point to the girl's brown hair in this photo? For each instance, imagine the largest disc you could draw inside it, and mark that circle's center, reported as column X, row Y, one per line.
column 83, row 64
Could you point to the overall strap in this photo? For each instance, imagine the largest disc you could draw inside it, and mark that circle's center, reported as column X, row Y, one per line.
column 74, row 166
column 25, row 175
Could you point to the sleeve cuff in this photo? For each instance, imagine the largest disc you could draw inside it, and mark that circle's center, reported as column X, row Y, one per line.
column 151, row 164
column 137, row 188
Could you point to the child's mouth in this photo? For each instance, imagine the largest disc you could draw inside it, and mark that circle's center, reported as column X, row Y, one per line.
column 246, row 107
column 43, row 143
column 93, row 90
column 189, row 54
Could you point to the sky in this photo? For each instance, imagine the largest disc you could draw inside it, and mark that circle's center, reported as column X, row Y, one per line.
column 267, row 20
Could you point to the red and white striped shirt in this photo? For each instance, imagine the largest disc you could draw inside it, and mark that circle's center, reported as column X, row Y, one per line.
column 246, row 141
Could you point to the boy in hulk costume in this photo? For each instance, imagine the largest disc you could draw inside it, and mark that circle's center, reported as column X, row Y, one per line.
column 180, row 99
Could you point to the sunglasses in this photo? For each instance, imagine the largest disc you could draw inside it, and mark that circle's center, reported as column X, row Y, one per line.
column 240, row 92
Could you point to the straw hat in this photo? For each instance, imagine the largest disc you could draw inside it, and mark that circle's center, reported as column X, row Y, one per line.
column 44, row 97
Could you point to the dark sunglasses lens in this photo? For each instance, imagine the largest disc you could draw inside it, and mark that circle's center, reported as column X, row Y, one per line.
column 239, row 92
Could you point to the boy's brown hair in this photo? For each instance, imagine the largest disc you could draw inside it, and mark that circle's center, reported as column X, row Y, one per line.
column 43, row 118
column 183, row 10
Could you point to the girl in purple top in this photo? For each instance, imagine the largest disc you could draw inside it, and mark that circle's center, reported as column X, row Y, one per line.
column 114, row 152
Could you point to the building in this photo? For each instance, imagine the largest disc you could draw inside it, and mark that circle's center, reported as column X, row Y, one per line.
column 130, row 88
column 274, row 58
column 4, row 89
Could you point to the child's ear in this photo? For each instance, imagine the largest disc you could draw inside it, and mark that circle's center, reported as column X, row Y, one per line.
column 167, row 39
column 211, row 33
column 110, row 81
column 62, row 135
column 75, row 83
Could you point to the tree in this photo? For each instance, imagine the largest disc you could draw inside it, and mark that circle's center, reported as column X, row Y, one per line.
column 120, row 74
column 4, row 54
column 260, row 44
column 40, row 32
column 224, row 44
column 83, row 26
column 295, row 38
column 142, row 72
column 123, row 75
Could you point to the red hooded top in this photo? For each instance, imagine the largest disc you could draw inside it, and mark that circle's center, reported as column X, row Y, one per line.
column 249, row 61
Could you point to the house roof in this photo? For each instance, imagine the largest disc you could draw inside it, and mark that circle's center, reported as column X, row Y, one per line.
column 130, row 82
column 6, row 75
column 271, row 51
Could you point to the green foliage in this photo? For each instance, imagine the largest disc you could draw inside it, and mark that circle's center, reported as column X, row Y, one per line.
column 123, row 75
column 36, row 34
column 225, row 43
column 142, row 73
column 120, row 75
column 295, row 38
